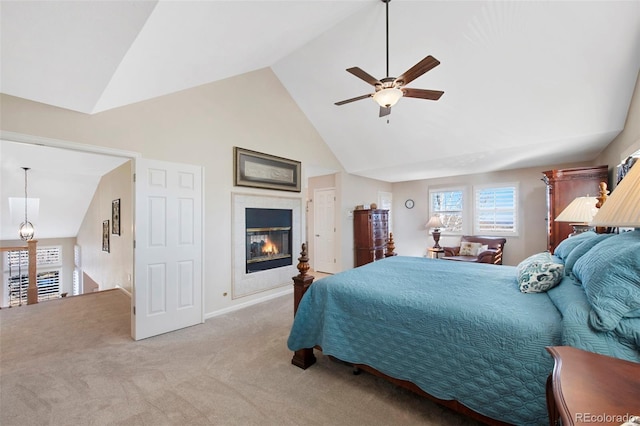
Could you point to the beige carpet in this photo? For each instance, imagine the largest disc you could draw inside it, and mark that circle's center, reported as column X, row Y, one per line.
column 72, row 362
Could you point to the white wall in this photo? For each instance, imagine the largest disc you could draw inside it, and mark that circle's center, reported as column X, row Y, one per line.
column 411, row 239
column 352, row 191
column 194, row 127
column 114, row 268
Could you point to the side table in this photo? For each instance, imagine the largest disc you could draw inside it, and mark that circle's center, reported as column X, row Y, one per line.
column 435, row 252
column 588, row 388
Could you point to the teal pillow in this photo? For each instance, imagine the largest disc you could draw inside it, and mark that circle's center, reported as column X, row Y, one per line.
column 539, row 273
column 580, row 250
column 610, row 275
column 564, row 248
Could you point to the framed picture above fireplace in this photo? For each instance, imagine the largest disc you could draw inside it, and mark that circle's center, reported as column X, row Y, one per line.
column 258, row 170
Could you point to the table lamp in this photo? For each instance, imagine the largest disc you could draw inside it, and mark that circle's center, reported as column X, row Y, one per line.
column 579, row 213
column 622, row 208
column 435, row 223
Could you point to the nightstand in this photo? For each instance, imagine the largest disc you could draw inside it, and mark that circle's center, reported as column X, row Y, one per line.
column 435, row 252
column 588, row 388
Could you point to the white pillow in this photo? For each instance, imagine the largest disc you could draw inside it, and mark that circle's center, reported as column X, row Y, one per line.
column 482, row 248
column 469, row 249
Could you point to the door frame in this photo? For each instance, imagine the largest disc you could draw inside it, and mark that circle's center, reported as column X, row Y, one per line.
column 94, row 149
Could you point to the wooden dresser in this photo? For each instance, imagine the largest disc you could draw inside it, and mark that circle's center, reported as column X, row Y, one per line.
column 563, row 186
column 370, row 235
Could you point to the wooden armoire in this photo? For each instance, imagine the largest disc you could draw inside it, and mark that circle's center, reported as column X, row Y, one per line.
column 563, row 186
column 370, row 235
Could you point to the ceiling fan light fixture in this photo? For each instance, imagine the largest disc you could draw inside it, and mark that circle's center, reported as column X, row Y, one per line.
column 388, row 97
column 389, row 90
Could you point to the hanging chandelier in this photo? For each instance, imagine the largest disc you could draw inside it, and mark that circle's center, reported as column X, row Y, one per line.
column 26, row 228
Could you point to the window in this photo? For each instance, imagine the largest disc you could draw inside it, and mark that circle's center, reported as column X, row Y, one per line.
column 48, row 278
column 448, row 204
column 45, row 256
column 496, row 210
column 48, row 283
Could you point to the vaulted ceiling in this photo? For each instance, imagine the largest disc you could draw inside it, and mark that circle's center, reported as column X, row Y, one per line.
column 526, row 83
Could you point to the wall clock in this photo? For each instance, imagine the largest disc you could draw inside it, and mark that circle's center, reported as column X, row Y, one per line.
column 409, row 203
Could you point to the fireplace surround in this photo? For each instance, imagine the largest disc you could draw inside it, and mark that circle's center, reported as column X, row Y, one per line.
column 246, row 283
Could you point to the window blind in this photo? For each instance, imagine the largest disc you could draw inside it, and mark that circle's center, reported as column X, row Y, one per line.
column 496, row 210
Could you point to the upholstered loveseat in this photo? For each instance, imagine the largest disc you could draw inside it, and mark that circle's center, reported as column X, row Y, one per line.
column 477, row 249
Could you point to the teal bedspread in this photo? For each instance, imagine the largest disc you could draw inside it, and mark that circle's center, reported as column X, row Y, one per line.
column 459, row 331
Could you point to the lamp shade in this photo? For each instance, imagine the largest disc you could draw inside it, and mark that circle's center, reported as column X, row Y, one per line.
column 580, row 210
column 622, row 208
column 387, row 97
column 434, row 223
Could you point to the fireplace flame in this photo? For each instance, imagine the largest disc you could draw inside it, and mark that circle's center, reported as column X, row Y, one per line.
column 269, row 248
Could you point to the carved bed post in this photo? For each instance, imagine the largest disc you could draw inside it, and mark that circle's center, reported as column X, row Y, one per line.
column 302, row 358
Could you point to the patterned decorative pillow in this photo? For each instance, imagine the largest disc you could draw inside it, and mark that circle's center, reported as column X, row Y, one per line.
column 482, row 249
column 539, row 273
column 469, row 249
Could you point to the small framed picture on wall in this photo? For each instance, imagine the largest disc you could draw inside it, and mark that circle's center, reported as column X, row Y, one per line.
column 115, row 217
column 105, row 236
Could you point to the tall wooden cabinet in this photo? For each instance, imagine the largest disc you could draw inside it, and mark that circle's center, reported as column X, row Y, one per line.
column 370, row 235
column 563, row 186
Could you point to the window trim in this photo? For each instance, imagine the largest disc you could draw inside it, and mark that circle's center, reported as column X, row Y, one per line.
column 516, row 209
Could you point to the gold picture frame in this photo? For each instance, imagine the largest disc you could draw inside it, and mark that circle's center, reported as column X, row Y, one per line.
column 257, row 170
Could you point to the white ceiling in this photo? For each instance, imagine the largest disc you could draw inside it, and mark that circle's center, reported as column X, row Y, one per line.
column 527, row 83
column 63, row 181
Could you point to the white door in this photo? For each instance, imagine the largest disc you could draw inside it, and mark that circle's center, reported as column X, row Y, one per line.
column 168, row 248
column 324, row 227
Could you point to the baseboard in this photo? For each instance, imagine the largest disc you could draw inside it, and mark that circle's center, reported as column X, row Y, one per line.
column 288, row 290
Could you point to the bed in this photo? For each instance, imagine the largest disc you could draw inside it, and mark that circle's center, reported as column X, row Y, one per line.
column 466, row 334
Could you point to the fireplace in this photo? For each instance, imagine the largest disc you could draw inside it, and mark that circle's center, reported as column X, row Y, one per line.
column 268, row 239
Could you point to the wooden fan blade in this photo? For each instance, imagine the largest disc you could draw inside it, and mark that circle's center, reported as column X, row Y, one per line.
column 364, row 76
column 433, row 95
column 346, row 101
column 418, row 69
column 384, row 111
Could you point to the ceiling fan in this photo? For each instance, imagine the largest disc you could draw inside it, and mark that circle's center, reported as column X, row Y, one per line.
column 389, row 90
